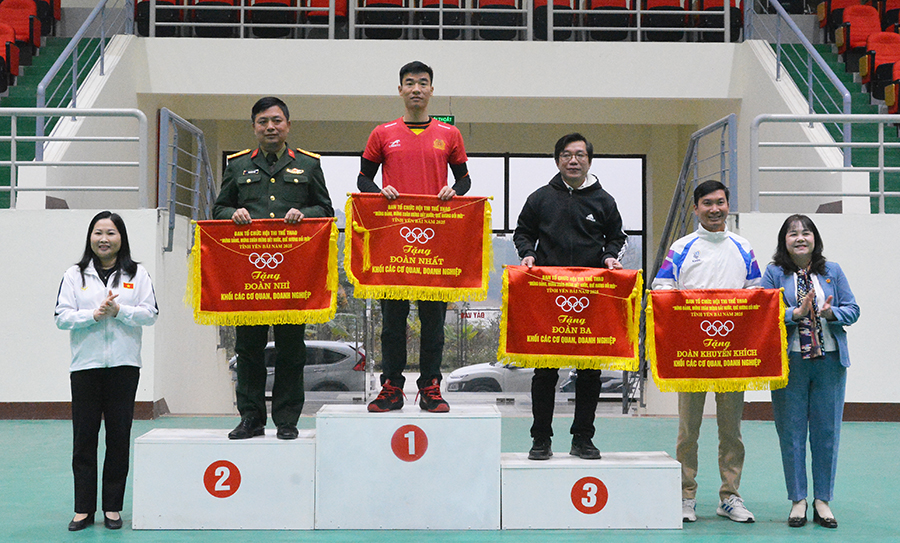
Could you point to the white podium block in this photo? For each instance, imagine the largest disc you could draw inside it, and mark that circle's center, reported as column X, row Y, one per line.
column 621, row 490
column 408, row 469
column 199, row 479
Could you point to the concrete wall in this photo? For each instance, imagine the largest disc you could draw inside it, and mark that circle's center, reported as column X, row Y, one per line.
column 180, row 360
column 852, row 242
column 643, row 99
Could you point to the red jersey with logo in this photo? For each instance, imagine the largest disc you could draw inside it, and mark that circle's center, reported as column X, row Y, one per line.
column 411, row 163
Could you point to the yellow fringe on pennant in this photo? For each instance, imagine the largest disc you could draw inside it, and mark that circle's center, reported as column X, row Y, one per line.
column 714, row 385
column 366, row 251
column 634, row 316
column 192, row 291
column 350, row 219
column 613, row 363
column 252, row 318
column 406, row 292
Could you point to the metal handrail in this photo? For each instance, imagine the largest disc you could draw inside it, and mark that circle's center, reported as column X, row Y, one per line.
column 816, row 89
column 679, row 216
column 880, row 145
column 200, row 185
column 410, row 22
column 14, row 138
column 62, row 96
column 679, row 211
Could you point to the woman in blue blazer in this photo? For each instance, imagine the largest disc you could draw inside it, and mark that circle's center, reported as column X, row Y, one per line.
column 819, row 304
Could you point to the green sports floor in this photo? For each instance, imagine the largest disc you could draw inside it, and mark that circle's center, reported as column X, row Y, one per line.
column 36, row 483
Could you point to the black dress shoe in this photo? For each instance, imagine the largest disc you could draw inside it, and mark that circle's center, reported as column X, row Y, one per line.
column 540, row 449
column 112, row 524
column 583, row 448
column 76, row 525
column 247, row 428
column 829, row 522
column 798, row 522
column 288, row 431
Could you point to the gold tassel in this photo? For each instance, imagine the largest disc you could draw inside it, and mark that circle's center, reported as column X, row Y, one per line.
column 504, row 315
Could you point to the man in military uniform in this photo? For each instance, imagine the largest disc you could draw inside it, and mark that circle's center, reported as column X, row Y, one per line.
column 272, row 181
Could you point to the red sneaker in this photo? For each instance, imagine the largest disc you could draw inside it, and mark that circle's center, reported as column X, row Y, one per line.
column 389, row 399
column 430, row 398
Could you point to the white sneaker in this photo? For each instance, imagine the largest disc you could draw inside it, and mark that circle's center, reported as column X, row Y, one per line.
column 733, row 508
column 689, row 510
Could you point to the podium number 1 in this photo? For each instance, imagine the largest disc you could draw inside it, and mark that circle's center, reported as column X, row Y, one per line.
column 589, row 495
column 222, row 479
column 409, row 443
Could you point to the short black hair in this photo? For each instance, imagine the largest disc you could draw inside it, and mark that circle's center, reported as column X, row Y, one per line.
column 265, row 103
column 708, row 187
column 417, row 67
column 564, row 142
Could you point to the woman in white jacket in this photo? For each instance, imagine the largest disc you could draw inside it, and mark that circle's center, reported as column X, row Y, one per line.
column 104, row 300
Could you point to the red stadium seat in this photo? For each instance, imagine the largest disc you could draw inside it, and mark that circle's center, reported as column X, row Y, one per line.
column 876, row 66
column 392, row 19
column 452, row 17
column 665, row 20
column 892, row 90
column 272, row 16
column 718, row 21
column 163, row 15
column 859, row 22
column 225, row 15
column 498, row 19
column 608, row 16
column 21, row 15
column 830, row 13
column 562, row 18
column 890, row 13
column 9, row 51
column 45, row 14
column 319, row 17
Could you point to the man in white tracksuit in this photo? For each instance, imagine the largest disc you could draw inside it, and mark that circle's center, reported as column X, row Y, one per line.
column 712, row 257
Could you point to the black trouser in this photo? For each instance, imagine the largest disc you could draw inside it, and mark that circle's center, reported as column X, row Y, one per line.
column 393, row 341
column 543, row 397
column 290, row 357
column 106, row 393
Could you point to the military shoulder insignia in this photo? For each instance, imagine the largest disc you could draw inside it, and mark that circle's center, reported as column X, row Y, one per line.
column 239, row 153
column 309, row 153
column 295, row 171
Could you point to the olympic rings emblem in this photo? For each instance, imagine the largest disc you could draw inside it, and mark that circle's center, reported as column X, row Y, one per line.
column 416, row 234
column 266, row 260
column 572, row 303
column 716, row 328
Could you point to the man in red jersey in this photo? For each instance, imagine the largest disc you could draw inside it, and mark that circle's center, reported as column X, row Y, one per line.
column 415, row 151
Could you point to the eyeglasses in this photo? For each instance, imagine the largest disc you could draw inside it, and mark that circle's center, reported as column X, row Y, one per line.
column 567, row 156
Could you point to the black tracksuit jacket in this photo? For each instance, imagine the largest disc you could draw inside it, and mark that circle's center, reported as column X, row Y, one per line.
column 564, row 227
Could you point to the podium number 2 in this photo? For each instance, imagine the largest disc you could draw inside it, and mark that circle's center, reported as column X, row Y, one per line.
column 222, row 479
column 409, row 443
column 589, row 495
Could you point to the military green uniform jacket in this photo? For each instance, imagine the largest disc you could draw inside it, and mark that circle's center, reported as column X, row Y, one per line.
column 268, row 192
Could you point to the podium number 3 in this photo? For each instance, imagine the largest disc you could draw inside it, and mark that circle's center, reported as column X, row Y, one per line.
column 222, row 479
column 589, row 495
column 409, row 443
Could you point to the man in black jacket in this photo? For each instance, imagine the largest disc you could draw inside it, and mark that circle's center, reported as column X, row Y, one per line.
column 571, row 221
